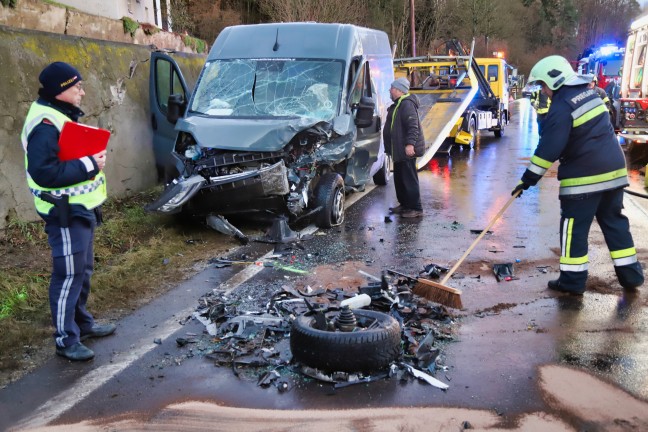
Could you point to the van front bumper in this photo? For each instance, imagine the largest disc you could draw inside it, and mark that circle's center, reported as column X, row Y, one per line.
column 247, row 191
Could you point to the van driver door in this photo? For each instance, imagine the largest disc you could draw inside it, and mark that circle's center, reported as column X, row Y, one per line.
column 165, row 79
column 368, row 139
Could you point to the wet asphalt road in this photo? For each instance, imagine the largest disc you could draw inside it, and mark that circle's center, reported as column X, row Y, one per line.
column 506, row 330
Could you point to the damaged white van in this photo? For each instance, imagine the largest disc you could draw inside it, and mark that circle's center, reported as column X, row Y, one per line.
column 285, row 118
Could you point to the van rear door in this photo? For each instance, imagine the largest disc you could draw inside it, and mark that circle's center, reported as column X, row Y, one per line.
column 165, row 79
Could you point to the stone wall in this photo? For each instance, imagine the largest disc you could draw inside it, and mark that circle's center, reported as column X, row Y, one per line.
column 116, row 80
column 37, row 15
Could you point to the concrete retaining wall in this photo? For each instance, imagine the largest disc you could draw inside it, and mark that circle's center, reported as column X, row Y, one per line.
column 116, row 80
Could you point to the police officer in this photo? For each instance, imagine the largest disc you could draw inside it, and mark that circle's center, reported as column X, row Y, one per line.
column 68, row 196
column 541, row 103
column 592, row 174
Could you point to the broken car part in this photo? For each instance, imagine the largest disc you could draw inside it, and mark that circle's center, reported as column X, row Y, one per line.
column 220, row 224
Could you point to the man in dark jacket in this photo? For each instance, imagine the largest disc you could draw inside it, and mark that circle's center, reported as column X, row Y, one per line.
column 592, row 174
column 68, row 196
column 404, row 141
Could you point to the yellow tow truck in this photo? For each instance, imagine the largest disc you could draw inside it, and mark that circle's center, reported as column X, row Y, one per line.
column 459, row 96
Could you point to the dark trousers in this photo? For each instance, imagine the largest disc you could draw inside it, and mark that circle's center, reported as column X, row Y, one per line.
column 577, row 216
column 72, row 267
column 406, row 184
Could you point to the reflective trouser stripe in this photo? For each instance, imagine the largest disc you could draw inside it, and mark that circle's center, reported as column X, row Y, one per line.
column 65, row 289
column 567, row 262
column 624, row 257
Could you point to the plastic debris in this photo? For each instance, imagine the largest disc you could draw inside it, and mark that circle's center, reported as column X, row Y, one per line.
column 503, row 271
column 425, row 377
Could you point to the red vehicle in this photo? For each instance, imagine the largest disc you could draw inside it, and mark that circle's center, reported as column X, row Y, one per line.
column 634, row 89
column 605, row 63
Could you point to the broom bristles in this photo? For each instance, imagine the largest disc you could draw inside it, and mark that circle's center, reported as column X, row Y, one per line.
column 438, row 293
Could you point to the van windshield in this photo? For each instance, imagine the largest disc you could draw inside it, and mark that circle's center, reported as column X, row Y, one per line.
column 270, row 88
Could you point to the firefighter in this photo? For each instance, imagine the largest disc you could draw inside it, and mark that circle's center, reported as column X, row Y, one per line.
column 540, row 103
column 594, row 85
column 592, row 174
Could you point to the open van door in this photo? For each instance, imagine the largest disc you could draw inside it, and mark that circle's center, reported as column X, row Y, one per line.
column 362, row 101
column 165, row 80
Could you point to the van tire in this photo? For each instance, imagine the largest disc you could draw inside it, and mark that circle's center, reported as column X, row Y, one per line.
column 329, row 195
column 382, row 177
column 366, row 350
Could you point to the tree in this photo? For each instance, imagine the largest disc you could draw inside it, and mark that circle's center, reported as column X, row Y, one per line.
column 605, row 21
column 329, row 11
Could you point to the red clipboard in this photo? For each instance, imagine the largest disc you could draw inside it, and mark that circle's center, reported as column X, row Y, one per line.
column 78, row 140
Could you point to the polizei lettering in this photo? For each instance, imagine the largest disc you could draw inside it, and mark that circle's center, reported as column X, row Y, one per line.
column 579, row 97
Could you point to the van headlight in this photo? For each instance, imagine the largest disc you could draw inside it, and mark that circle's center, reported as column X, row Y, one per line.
column 179, row 193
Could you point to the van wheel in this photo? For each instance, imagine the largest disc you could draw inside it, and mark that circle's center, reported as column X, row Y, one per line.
column 381, row 178
column 374, row 345
column 329, row 195
column 502, row 122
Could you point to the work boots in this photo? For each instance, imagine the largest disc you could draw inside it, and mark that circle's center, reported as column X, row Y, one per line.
column 557, row 286
column 76, row 352
column 99, row 331
column 412, row 213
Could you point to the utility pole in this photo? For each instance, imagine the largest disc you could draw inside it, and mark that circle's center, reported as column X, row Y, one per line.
column 412, row 28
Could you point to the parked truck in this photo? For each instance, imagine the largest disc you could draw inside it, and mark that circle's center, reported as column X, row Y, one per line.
column 459, row 96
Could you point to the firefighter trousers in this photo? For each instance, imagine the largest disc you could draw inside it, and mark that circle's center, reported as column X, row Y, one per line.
column 576, row 219
column 72, row 267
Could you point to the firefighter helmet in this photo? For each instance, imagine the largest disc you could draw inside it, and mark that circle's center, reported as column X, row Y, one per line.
column 555, row 71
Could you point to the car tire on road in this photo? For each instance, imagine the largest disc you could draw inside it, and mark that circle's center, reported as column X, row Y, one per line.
column 368, row 349
column 329, row 194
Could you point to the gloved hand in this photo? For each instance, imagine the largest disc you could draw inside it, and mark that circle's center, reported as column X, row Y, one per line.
column 520, row 187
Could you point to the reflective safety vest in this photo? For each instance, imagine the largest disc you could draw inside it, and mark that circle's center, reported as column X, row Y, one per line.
column 90, row 193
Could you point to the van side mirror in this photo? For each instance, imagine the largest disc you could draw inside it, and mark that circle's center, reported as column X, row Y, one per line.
column 365, row 112
column 176, row 107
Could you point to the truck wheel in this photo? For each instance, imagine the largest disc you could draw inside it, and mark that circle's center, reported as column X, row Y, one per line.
column 329, row 194
column 472, row 129
column 502, row 122
column 374, row 345
column 381, row 178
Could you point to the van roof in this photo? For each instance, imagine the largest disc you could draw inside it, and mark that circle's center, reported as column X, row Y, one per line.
column 298, row 40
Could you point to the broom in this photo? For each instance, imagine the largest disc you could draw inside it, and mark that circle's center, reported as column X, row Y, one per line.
column 438, row 292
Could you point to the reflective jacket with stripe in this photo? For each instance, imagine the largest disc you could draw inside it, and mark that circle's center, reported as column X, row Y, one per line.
column 89, row 187
column 577, row 131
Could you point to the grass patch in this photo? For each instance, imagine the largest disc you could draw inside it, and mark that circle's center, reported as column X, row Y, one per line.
column 138, row 256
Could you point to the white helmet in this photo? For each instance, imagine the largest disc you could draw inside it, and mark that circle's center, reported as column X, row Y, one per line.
column 555, row 71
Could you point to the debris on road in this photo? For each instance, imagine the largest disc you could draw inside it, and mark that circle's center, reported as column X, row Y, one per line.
column 252, row 330
column 503, row 271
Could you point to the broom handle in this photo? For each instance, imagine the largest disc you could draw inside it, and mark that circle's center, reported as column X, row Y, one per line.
column 483, row 233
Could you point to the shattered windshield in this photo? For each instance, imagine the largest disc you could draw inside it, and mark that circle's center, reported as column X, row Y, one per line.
column 269, row 88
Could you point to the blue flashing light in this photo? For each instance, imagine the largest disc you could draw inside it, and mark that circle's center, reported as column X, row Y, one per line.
column 609, row 49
